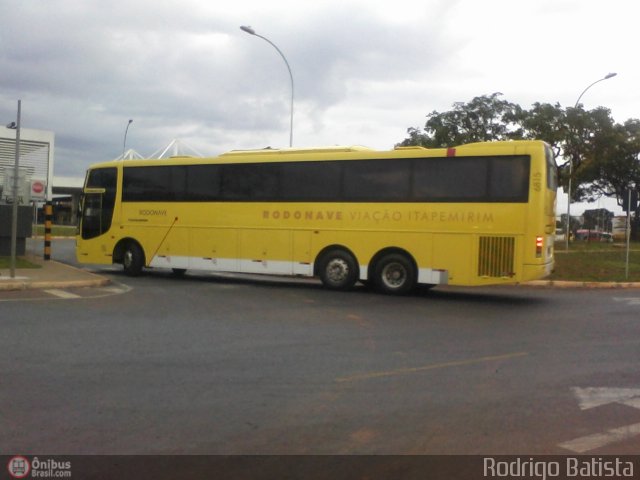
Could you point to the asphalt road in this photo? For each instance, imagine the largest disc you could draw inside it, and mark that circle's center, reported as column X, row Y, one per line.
column 215, row 364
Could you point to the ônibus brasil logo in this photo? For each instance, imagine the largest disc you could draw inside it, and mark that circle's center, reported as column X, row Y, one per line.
column 19, row 467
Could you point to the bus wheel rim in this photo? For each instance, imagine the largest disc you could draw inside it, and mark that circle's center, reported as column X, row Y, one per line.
column 394, row 275
column 128, row 258
column 337, row 270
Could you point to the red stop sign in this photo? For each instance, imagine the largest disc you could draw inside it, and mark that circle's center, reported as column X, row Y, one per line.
column 37, row 187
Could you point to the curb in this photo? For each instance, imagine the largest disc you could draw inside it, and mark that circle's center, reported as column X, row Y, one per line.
column 92, row 280
column 577, row 284
column 53, row 237
column 26, row 285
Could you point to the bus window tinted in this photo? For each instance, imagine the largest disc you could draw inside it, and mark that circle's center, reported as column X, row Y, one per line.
column 98, row 207
column 203, row 183
column 156, row 184
column 509, row 179
column 450, row 179
column 552, row 170
column 310, row 181
column 377, row 180
column 249, row 182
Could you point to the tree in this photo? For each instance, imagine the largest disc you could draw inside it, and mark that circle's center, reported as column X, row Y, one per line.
column 612, row 164
column 544, row 122
column 573, row 135
column 603, row 156
column 483, row 119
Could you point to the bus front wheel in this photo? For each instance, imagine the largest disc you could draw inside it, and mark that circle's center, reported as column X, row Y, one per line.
column 338, row 270
column 133, row 259
column 395, row 274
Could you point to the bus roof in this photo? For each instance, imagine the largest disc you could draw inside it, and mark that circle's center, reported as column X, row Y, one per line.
column 313, row 153
column 284, row 151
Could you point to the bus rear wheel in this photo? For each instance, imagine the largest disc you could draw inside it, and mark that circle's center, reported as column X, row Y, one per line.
column 395, row 274
column 338, row 270
column 133, row 259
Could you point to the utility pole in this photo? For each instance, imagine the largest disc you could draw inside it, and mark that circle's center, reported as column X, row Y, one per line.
column 14, row 214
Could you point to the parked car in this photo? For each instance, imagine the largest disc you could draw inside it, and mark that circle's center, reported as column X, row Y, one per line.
column 593, row 236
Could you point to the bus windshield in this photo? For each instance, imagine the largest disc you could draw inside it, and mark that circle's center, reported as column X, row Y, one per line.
column 98, row 202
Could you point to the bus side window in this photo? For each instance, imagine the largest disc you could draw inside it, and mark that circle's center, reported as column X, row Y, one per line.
column 98, row 205
column 92, row 215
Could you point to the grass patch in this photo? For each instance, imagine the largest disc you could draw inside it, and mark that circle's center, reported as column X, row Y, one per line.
column 596, row 262
column 5, row 262
column 57, row 230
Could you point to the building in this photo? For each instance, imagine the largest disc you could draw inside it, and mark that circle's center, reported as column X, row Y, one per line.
column 36, row 160
column 35, row 169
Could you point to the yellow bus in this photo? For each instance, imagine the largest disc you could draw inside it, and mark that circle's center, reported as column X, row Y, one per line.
column 475, row 214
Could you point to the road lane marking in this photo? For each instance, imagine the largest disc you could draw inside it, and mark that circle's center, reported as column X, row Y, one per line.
column 59, row 294
column 425, row 368
column 597, row 440
column 628, row 300
column 117, row 289
column 592, row 397
column 62, row 293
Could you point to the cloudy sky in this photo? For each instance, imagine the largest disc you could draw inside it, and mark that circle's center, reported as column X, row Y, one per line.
column 364, row 70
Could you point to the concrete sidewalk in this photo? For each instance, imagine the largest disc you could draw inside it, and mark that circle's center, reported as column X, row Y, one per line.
column 51, row 274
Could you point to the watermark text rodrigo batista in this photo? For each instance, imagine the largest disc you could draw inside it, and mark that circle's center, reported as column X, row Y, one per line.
column 576, row 467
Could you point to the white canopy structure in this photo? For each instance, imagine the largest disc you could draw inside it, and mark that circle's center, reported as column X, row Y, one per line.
column 176, row 148
column 130, row 154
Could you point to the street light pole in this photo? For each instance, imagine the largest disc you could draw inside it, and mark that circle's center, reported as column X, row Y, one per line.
column 606, row 77
column 251, row 31
column 14, row 214
column 124, row 143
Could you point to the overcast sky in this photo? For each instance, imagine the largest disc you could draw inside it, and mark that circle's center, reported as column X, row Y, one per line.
column 364, row 70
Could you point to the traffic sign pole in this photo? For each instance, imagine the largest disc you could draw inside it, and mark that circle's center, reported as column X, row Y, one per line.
column 626, row 266
column 48, row 217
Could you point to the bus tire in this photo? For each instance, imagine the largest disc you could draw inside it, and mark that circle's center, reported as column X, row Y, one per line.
column 338, row 270
column 133, row 259
column 178, row 272
column 395, row 274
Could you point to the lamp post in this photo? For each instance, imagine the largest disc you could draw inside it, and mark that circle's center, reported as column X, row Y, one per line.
column 251, row 31
column 14, row 212
column 124, row 143
column 606, row 77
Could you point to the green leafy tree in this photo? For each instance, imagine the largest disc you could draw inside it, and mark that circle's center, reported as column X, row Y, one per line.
column 484, row 118
column 612, row 164
column 544, row 122
column 600, row 156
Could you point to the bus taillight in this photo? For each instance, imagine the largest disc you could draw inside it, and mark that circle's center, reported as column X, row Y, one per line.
column 539, row 245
